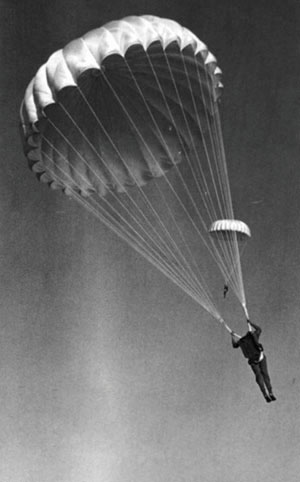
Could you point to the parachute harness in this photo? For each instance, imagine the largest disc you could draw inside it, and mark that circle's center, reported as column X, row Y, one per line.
column 133, row 101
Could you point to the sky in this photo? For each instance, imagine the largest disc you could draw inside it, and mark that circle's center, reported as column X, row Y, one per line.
column 108, row 372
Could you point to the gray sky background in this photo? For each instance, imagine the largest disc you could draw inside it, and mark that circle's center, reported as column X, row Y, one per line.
column 108, row 372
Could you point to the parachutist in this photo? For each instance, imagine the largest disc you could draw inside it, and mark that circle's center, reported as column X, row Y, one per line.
column 225, row 290
column 253, row 350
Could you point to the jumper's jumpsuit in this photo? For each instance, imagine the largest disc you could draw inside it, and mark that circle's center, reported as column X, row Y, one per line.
column 253, row 350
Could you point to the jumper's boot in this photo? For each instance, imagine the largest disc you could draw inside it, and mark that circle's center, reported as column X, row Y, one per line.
column 268, row 397
column 272, row 397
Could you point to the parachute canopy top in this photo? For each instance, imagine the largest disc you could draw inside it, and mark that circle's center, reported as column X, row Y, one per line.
column 226, row 229
column 64, row 97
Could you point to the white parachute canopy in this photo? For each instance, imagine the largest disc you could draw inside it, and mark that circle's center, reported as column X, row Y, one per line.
column 231, row 236
column 126, row 121
column 228, row 229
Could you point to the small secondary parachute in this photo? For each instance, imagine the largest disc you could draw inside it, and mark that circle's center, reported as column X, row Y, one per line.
column 126, row 121
column 233, row 233
column 228, row 229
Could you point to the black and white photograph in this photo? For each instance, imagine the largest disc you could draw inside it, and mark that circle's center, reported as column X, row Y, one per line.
column 149, row 241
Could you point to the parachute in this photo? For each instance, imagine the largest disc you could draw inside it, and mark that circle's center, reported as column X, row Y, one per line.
column 234, row 233
column 226, row 229
column 126, row 121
